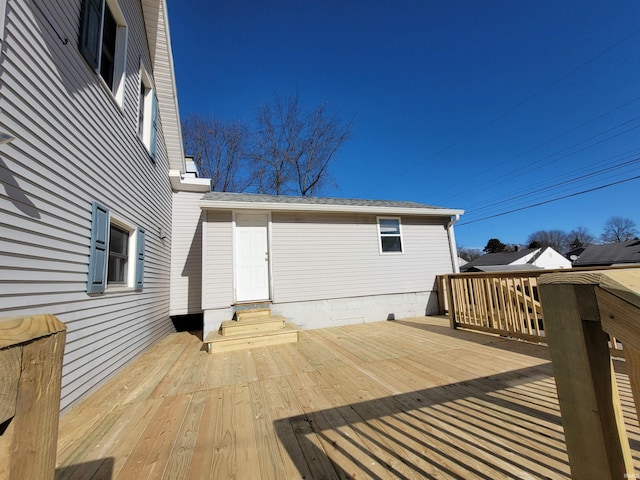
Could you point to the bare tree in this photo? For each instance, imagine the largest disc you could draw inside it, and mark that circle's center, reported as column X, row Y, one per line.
column 220, row 151
column 294, row 148
column 469, row 253
column 580, row 237
column 619, row 229
column 556, row 239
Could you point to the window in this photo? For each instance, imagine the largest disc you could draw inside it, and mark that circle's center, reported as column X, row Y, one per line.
column 118, row 255
column 147, row 114
column 110, row 259
column 390, row 233
column 103, row 42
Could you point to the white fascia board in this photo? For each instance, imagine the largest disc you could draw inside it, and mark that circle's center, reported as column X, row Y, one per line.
column 180, row 183
column 305, row 207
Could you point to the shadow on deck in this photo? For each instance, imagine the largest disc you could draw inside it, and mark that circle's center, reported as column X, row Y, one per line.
column 398, row 399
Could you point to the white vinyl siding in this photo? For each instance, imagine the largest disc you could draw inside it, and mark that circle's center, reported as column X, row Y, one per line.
column 72, row 146
column 324, row 256
column 186, row 254
column 217, row 274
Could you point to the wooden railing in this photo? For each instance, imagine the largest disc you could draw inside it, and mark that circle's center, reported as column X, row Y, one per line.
column 31, row 350
column 504, row 303
column 582, row 309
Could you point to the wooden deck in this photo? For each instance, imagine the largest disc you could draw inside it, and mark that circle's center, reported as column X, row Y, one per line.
column 400, row 399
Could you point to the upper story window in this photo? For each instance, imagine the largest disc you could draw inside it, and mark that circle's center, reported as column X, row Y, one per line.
column 103, row 42
column 390, row 233
column 147, row 114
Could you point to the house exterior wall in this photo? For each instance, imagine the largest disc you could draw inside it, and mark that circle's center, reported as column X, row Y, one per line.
column 316, row 257
column 74, row 145
column 217, row 260
column 186, row 254
column 550, row 259
column 327, row 269
column 525, row 258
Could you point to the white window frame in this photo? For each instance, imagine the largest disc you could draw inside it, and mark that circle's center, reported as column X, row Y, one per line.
column 131, row 254
column 145, row 132
column 399, row 235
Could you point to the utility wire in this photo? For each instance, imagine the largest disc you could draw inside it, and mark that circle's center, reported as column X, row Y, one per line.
column 587, row 147
column 600, row 187
column 541, row 161
column 510, row 109
column 547, row 142
column 585, row 176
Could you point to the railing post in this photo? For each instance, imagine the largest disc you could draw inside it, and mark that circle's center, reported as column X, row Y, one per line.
column 31, row 350
column 596, row 440
column 451, row 301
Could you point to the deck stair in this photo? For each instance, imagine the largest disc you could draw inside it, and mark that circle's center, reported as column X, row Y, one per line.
column 253, row 326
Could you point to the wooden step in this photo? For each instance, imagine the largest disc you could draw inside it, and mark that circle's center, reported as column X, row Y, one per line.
column 252, row 325
column 218, row 343
column 247, row 314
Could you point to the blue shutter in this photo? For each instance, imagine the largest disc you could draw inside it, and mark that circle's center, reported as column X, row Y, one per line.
column 140, row 260
column 155, row 126
column 91, row 31
column 99, row 249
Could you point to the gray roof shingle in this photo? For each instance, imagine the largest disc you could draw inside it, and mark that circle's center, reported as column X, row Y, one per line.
column 610, row 254
column 286, row 199
column 501, row 258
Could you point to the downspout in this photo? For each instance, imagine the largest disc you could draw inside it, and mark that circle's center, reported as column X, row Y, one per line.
column 452, row 243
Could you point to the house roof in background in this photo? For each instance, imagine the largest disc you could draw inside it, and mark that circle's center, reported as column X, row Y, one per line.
column 610, row 254
column 503, row 268
column 227, row 200
column 500, row 258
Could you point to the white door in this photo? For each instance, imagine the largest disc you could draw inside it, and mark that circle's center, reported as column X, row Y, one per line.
column 252, row 257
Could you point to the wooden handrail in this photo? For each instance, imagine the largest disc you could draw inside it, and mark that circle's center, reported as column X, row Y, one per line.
column 31, row 351
column 583, row 309
column 503, row 303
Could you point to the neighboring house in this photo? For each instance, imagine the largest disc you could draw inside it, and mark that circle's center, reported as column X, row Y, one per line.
column 318, row 261
column 622, row 253
column 88, row 94
column 525, row 259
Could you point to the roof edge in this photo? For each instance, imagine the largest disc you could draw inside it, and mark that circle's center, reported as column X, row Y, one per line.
column 306, row 207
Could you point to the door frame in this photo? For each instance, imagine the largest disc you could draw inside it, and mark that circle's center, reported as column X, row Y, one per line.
column 235, row 213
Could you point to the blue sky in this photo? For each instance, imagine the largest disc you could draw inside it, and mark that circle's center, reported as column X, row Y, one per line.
column 487, row 106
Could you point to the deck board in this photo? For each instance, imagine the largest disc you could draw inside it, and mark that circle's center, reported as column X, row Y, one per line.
column 398, row 399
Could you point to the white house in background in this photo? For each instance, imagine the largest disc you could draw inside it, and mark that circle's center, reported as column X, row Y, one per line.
column 318, row 261
column 526, row 259
column 88, row 94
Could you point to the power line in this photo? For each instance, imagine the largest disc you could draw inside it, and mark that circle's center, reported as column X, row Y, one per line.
column 607, row 169
column 508, row 110
column 600, row 187
column 540, row 162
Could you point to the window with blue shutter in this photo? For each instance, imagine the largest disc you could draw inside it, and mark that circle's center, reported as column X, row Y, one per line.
column 139, row 260
column 103, row 42
column 91, row 31
column 155, row 126
column 99, row 249
column 112, row 261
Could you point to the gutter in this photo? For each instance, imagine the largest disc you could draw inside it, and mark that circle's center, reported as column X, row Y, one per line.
column 452, row 243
